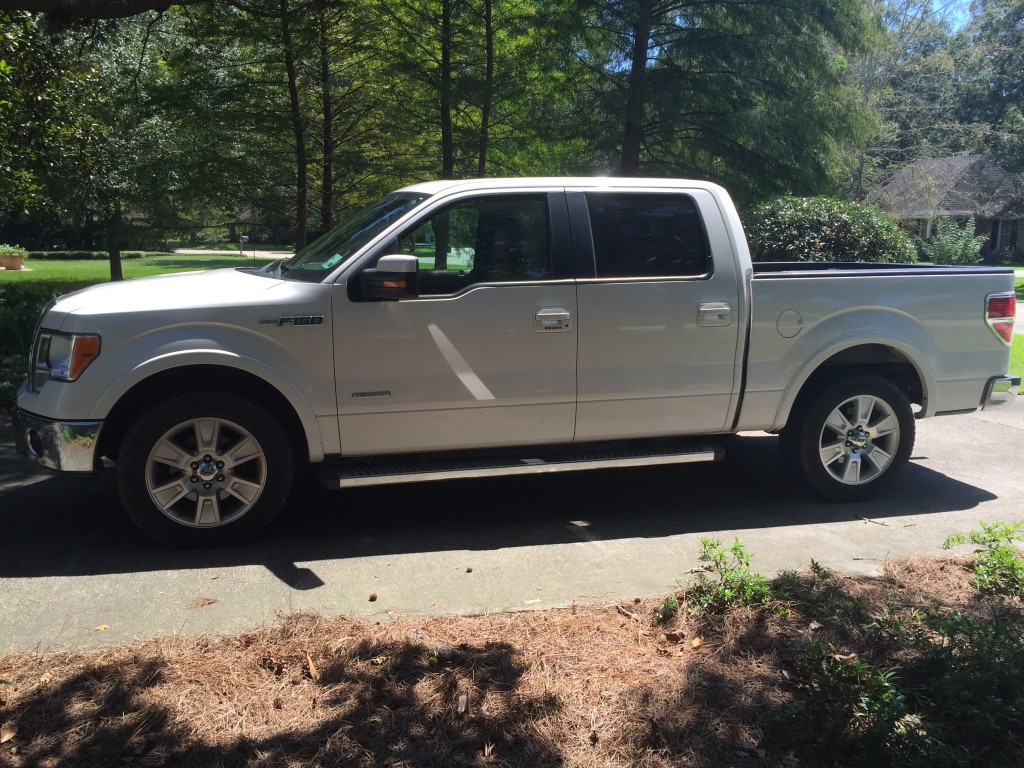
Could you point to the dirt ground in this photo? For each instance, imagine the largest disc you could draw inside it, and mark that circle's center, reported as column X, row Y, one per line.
column 582, row 686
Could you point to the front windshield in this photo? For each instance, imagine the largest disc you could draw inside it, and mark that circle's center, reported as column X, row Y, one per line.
column 318, row 259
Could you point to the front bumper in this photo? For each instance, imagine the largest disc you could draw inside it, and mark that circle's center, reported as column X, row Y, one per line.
column 66, row 446
column 1000, row 391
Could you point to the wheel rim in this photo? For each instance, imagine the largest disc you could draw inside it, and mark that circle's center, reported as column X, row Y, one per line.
column 206, row 472
column 859, row 440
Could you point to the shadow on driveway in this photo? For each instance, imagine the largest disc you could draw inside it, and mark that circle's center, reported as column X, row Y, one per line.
column 67, row 526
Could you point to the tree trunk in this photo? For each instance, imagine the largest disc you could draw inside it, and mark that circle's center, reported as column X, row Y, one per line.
column 447, row 143
column 113, row 238
column 636, row 99
column 327, row 187
column 298, row 130
column 485, row 110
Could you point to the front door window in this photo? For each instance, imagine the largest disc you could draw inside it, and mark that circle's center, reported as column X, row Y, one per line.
column 492, row 239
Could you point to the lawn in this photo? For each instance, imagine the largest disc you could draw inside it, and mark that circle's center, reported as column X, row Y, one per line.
column 98, row 270
column 1017, row 355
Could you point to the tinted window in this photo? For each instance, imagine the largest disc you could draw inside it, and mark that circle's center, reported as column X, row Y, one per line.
column 645, row 235
column 317, row 260
column 496, row 238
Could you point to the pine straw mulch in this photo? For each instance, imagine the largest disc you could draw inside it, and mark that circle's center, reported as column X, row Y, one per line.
column 581, row 686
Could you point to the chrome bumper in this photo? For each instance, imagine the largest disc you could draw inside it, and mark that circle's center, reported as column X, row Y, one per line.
column 1001, row 391
column 67, row 446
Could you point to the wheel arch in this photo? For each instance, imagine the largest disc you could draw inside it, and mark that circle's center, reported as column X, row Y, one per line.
column 893, row 361
column 302, row 432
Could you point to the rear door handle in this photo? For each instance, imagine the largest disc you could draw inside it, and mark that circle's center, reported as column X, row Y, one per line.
column 552, row 320
column 714, row 313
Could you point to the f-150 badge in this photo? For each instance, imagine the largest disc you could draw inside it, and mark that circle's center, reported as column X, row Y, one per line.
column 293, row 320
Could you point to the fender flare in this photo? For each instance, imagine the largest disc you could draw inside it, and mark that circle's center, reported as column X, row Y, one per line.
column 223, row 359
column 851, row 341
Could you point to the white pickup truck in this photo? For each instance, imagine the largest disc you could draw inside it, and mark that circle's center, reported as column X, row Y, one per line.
column 496, row 327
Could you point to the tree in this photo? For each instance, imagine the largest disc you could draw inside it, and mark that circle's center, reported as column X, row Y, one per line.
column 717, row 88
column 90, row 144
column 992, row 72
column 92, row 9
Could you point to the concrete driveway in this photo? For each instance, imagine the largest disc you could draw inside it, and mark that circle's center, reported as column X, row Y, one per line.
column 75, row 574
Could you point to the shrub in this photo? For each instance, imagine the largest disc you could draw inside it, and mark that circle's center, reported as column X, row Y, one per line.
column 998, row 566
column 731, row 582
column 823, row 229
column 5, row 248
column 666, row 610
column 21, row 305
column 953, row 244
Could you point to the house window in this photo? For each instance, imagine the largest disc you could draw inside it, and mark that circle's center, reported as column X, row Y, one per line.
column 1004, row 234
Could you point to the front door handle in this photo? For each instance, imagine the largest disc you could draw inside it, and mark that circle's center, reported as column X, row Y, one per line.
column 552, row 320
column 714, row 313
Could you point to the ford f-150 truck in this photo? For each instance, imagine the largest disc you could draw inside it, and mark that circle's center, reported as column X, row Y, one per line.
column 496, row 327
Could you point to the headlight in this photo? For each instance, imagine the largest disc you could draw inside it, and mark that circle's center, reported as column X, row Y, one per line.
column 61, row 356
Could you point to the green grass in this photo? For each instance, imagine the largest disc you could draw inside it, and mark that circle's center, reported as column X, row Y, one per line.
column 1017, row 355
column 98, row 271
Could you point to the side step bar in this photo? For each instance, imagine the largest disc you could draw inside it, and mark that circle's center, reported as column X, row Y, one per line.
column 363, row 473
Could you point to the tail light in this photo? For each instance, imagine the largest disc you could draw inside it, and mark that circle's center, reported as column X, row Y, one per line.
column 1000, row 312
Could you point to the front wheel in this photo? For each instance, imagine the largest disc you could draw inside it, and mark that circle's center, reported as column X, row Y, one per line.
column 852, row 439
column 204, row 468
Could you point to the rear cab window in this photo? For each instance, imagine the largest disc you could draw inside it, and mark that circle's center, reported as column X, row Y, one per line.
column 647, row 235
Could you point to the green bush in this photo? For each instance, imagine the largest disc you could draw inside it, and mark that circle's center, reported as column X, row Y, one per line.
column 731, row 582
column 953, row 244
column 5, row 248
column 21, row 305
column 666, row 610
column 823, row 229
column 999, row 565
column 924, row 687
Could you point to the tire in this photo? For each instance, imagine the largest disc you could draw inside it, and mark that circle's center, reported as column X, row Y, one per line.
column 204, row 468
column 851, row 440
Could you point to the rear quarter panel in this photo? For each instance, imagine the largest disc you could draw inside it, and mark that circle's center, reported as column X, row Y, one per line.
column 934, row 318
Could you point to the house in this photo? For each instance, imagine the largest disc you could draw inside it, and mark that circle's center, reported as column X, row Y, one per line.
column 959, row 187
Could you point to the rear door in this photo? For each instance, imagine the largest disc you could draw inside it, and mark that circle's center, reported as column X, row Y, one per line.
column 658, row 314
column 486, row 355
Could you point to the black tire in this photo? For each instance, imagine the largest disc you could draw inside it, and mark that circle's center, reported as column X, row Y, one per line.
column 852, row 439
column 203, row 468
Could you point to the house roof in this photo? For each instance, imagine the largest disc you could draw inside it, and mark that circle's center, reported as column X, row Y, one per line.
column 969, row 185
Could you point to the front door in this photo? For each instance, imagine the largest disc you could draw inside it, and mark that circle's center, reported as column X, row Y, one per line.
column 485, row 355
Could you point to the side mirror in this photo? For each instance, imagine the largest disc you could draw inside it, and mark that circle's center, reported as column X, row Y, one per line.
column 395, row 277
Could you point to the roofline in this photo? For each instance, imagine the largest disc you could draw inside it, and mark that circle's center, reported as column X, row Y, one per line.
column 566, row 182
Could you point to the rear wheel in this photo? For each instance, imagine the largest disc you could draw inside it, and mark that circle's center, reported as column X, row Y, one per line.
column 204, row 468
column 852, row 439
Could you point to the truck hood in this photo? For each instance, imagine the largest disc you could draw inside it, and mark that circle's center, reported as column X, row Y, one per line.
column 179, row 291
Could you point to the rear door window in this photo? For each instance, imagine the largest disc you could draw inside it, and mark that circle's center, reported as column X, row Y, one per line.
column 647, row 235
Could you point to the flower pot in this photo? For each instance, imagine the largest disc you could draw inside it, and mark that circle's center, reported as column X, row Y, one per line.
column 11, row 260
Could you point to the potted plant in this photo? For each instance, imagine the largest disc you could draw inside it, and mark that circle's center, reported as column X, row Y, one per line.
column 11, row 256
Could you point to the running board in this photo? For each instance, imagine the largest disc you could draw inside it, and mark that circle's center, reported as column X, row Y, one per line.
column 388, row 473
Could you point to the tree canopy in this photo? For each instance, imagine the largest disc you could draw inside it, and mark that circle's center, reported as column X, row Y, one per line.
column 128, row 117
